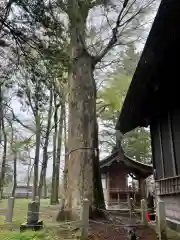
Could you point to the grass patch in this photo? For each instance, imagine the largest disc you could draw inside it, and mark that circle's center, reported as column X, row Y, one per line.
column 47, row 214
column 28, row 235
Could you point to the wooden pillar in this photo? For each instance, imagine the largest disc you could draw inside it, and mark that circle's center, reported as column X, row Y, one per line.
column 118, row 198
column 142, row 187
column 108, row 189
column 128, row 196
column 134, row 190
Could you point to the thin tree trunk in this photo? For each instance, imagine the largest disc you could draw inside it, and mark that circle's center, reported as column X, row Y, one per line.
column 14, row 173
column 59, row 145
column 14, row 153
column 65, row 172
column 53, row 189
column 99, row 203
column 66, row 155
column 45, row 188
column 1, row 113
column 29, row 173
column 36, row 160
column 45, row 148
column 3, row 166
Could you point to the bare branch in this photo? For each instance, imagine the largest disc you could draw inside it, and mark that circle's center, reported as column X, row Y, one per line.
column 113, row 39
column 20, row 122
column 102, row 109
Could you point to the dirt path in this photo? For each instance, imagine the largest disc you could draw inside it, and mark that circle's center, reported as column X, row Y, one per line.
column 118, row 226
column 108, row 232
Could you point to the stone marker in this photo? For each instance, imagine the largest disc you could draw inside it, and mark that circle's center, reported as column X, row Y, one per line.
column 10, row 209
column 33, row 212
column 33, row 221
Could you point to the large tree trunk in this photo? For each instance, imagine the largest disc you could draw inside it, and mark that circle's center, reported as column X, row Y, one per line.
column 82, row 118
column 59, row 145
column 53, row 188
column 45, row 147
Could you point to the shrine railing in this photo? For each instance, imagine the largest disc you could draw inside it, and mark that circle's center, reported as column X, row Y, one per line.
column 123, row 190
column 168, row 186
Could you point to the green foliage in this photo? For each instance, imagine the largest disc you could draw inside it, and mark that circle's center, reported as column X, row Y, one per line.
column 113, row 95
column 137, row 145
column 137, row 142
column 19, row 144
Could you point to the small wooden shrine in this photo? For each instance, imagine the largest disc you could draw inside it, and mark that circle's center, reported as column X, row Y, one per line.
column 115, row 171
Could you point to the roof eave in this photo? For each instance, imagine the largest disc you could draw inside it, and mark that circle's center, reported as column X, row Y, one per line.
column 136, row 108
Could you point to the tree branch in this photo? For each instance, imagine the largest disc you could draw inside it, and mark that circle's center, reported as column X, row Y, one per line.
column 113, row 39
column 20, row 122
column 102, row 109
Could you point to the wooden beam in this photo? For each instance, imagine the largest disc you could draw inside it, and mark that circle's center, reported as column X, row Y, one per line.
column 172, row 145
column 161, row 150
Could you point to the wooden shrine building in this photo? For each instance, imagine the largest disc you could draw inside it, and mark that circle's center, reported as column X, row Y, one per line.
column 153, row 99
column 115, row 170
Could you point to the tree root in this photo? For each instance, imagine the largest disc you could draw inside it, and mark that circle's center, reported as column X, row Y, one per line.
column 67, row 215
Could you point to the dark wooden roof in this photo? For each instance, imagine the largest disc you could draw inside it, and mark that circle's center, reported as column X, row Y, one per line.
column 135, row 167
column 154, row 87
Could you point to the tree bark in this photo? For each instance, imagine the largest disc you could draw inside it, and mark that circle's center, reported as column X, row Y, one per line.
column 66, row 155
column 45, row 188
column 3, row 166
column 82, row 119
column 1, row 112
column 53, row 189
column 59, row 145
column 82, row 145
column 14, row 173
column 99, row 204
column 29, row 174
column 36, row 160
column 45, row 147
column 65, row 172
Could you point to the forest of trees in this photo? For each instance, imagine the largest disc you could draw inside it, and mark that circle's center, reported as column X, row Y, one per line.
column 64, row 72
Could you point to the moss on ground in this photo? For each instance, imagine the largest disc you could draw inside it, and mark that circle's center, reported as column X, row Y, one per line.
column 29, row 235
column 173, row 235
